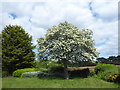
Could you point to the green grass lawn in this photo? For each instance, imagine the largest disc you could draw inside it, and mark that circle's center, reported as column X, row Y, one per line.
column 0, row 83
column 56, row 83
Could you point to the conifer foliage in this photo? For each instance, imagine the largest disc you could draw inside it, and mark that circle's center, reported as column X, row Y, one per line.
column 16, row 49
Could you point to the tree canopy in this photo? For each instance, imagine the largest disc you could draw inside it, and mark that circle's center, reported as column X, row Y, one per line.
column 16, row 48
column 66, row 43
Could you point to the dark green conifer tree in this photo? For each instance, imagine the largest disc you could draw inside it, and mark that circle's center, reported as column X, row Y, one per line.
column 16, row 49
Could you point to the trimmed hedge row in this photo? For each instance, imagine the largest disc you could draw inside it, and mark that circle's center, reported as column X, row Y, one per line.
column 19, row 72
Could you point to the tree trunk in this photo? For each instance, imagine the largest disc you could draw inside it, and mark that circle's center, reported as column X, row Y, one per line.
column 66, row 70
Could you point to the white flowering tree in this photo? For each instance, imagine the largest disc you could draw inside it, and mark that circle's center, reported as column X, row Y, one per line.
column 66, row 43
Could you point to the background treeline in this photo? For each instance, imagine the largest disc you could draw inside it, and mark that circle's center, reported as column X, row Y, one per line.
column 110, row 60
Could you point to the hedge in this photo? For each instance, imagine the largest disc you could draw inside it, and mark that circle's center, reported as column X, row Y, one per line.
column 19, row 72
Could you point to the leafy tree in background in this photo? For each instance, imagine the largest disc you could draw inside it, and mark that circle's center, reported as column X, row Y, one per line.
column 16, row 49
column 118, row 59
column 66, row 43
column 102, row 60
column 110, row 60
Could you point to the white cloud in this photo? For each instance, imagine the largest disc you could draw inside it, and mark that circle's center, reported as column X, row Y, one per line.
column 37, row 17
column 106, row 10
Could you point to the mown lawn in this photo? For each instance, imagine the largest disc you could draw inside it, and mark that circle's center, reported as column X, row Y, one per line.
column 0, row 83
column 56, row 83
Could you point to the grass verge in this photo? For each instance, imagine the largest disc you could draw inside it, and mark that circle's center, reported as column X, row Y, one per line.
column 90, row 82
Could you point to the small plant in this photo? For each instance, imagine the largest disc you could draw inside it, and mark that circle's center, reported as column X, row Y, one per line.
column 19, row 72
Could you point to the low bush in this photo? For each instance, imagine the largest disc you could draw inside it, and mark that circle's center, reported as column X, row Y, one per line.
column 19, row 72
column 108, row 72
column 41, row 64
column 59, row 69
column 56, row 71
column 45, row 74
column 79, row 73
column 30, row 74
column 118, row 78
column 113, row 77
column 46, row 64
column 5, row 74
column 92, row 73
column 53, row 64
column 41, row 69
column 105, row 67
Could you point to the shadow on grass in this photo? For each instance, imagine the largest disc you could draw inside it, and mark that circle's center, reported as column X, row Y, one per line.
column 51, row 78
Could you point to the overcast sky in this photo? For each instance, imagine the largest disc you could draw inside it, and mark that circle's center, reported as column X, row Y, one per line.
column 101, row 16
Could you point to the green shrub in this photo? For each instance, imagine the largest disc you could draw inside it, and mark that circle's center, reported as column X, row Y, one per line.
column 59, row 69
column 30, row 74
column 107, row 72
column 118, row 78
column 92, row 72
column 79, row 73
column 19, row 72
column 53, row 71
column 45, row 74
column 4, row 74
column 56, row 71
column 41, row 64
column 42, row 69
column 53, row 64
column 105, row 68
column 113, row 77
column 102, row 75
column 46, row 64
